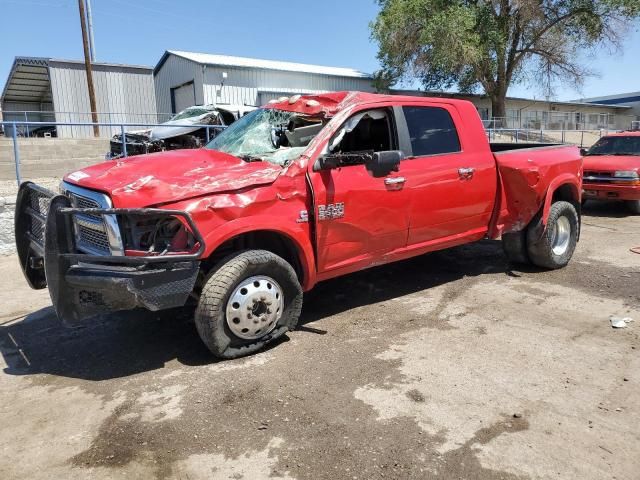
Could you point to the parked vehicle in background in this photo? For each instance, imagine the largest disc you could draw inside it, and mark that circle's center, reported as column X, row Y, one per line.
column 612, row 169
column 300, row 191
column 44, row 131
column 183, row 130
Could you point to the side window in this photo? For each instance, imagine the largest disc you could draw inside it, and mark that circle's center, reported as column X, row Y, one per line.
column 369, row 131
column 431, row 130
column 227, row 117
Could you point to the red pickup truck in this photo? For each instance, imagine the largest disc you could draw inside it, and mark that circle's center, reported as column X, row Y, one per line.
column 300, row 191
column 612, row 169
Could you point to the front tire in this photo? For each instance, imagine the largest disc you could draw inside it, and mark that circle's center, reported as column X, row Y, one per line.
column 555, row 247
column 633, row 206
column 253, row 298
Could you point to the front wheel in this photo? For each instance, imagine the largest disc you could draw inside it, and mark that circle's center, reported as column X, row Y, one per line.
column 555, row 247
column 252, row 299
column 633, row 206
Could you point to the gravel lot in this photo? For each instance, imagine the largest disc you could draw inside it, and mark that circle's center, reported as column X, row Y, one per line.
column 451, row 365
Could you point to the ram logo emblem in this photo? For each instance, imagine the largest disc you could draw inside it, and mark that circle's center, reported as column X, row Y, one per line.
column 303, row 217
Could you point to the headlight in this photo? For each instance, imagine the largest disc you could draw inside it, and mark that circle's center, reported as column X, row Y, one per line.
column 627, row 177
column 627, row 174
column 156, row 235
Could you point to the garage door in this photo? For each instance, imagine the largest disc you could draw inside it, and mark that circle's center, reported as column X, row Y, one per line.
column 183, row 97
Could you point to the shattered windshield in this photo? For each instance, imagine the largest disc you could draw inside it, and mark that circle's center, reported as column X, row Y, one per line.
column 190, row 112
column 616, row 146
column 270, row 135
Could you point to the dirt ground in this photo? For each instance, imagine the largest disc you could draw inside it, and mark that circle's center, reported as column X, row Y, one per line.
column 452, row 365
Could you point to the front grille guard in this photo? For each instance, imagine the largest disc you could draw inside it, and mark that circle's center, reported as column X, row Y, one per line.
column 48, row 231
column 82, row 285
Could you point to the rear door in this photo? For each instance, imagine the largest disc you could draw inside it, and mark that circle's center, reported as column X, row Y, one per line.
column 451, row 177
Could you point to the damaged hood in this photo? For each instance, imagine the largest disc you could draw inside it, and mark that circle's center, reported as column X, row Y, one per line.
column 167, row 177
column 609, row 163
column 174, row 128
column 178, row 127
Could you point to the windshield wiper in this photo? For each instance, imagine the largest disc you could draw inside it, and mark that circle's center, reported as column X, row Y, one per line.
column 626, row 154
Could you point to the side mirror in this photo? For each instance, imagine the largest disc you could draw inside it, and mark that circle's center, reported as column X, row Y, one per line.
column 327, row 162
column 330, row 161
column 383, row 163
column 583, row 152
column 378, row 164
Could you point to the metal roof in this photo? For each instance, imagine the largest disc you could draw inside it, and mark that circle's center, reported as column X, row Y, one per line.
column 29, row 80
column 617, row 99
column 244, row 62
column 481, row 96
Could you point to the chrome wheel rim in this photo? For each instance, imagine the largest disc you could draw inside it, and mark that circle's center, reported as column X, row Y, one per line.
column 561, row 236
column 254, row 307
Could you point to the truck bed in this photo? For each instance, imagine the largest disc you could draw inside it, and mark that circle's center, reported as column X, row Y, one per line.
column 526, row 172
column 507, row 147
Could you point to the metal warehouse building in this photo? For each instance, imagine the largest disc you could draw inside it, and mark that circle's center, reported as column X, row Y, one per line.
column 183, row 79
column 37, row 86
column 631, row 100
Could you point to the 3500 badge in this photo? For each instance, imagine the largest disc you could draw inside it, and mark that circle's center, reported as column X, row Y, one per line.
column 331, row 211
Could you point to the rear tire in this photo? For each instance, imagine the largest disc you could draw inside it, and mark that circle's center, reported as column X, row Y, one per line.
column 633, row 206
column 555, row 247
column 253, row 298
column 515, row 247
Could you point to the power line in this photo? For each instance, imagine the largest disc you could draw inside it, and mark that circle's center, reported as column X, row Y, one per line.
column 127, row 19
column 172, row 14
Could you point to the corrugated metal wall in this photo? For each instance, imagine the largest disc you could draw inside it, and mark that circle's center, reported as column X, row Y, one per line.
column 26, row 111
column 248, row 86
column 175, row 72
column 257, row 86
column 123, row 94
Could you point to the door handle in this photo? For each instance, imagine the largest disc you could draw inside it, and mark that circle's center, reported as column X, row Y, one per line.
column 466, row 173
column 394, row 180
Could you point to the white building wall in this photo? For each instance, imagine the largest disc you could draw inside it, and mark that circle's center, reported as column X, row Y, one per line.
column 26, row 111
column 34, row 111
column 256, row 86
column 537, row 114
column 175, row 72
column 631, row 99
column 123, row 95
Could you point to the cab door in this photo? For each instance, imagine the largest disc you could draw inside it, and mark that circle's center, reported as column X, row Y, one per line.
column 451, row 177
column 359, row 218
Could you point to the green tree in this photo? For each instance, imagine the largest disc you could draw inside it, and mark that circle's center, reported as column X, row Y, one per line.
column 491, row 44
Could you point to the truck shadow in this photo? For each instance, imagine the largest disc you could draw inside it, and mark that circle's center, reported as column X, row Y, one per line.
column 610, row 209
column 409, row 276
column 127, row 343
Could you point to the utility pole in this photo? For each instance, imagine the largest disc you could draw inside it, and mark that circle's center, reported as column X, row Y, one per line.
column 87, row 64
column 92, row 44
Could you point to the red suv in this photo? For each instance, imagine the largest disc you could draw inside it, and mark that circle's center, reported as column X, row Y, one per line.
column 612, row 169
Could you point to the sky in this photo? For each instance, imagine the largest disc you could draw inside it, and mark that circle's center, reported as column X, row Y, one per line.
column 323, row 32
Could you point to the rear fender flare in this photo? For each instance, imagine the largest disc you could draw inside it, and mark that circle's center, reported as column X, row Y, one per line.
column 558, row 182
